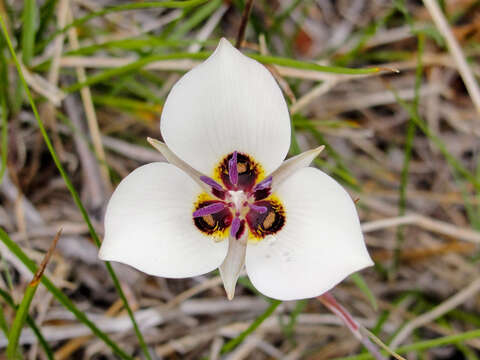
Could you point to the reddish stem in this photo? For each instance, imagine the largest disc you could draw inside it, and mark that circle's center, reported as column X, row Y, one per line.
column 329, row 301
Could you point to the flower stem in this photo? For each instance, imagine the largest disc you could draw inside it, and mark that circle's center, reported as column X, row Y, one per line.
column 329, row 301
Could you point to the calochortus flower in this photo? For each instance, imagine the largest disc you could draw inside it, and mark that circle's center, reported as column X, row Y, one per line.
column 227, row 199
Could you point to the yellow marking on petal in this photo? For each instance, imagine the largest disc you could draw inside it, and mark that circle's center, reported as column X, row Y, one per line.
column 201, row 198
column 222, row 168
column 214, row 227
column 278, row 213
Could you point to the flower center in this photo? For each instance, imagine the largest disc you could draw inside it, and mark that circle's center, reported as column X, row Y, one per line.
column 240, row 201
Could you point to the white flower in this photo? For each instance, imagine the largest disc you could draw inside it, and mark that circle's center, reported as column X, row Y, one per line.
column 227, row 199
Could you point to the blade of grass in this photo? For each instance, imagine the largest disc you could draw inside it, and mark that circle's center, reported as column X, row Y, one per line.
column 3, row 322
column 137, row 43
column 425, row 345
column 124, row 7
column 340, row 170
column 266, row 59
column 74, row 194
column 229, row 346
column 127, row 104
column 5, row 328
column 29, row 18
column 41, row 339
column 365, row 34
column 452, row 161
column 134, row 65
column 22, row 311
column 410, row 136
column 4, row 137
column 138, row 64
column 196, row 18
column 60, row 296
column 289, row 328
column 360, row 282
column 47, row 14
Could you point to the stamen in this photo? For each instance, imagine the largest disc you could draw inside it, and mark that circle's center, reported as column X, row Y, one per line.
column 209, row 209
column 235, row 227
column 259, row 209
column 232, row 169
column 211, row 182
column 264, row 184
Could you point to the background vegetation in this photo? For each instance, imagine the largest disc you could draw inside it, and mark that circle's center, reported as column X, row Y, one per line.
column 82, row 85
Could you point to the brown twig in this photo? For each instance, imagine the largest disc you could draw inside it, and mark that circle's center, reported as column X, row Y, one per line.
column 243, row 24
column 41, row 269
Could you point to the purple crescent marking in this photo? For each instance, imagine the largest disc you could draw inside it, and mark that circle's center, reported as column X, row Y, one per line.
column 211, row 182
column 209, row 209
column 259, row 209
column 232, row 169
column 235, row 227
column 264, row 184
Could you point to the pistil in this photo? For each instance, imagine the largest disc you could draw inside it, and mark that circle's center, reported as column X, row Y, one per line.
column 241, row 202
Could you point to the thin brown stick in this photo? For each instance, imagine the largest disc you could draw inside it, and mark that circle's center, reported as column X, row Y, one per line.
column 38, row 275
column 456, row 51
column 243, row 24
column 90, row 113
column 449, row 304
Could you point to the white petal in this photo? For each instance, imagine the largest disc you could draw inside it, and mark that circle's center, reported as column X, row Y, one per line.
column 233, row 265
column 149, row 225
column 229, row 102
column 320, row 244
column 293, row 164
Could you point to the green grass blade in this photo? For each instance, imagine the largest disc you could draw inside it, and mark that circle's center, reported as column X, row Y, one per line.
column 360, row 282
column 138, row 64
column 200, row 15
column 28, row 30
column 136, row 43
column 3, row 322
column 41, row 339
column 60, row 296
column 452, row 161
column 4, row 137
column 410, row 136
column 289, row 328
column 22, row 311
column 126, row 103
column 304, row 65
column 73, row 192
column 5, row 328
column 134, row 65
column 19, row 321
column 47, row 15
column 425, row 345
column 124, row 7
column 229, row 346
